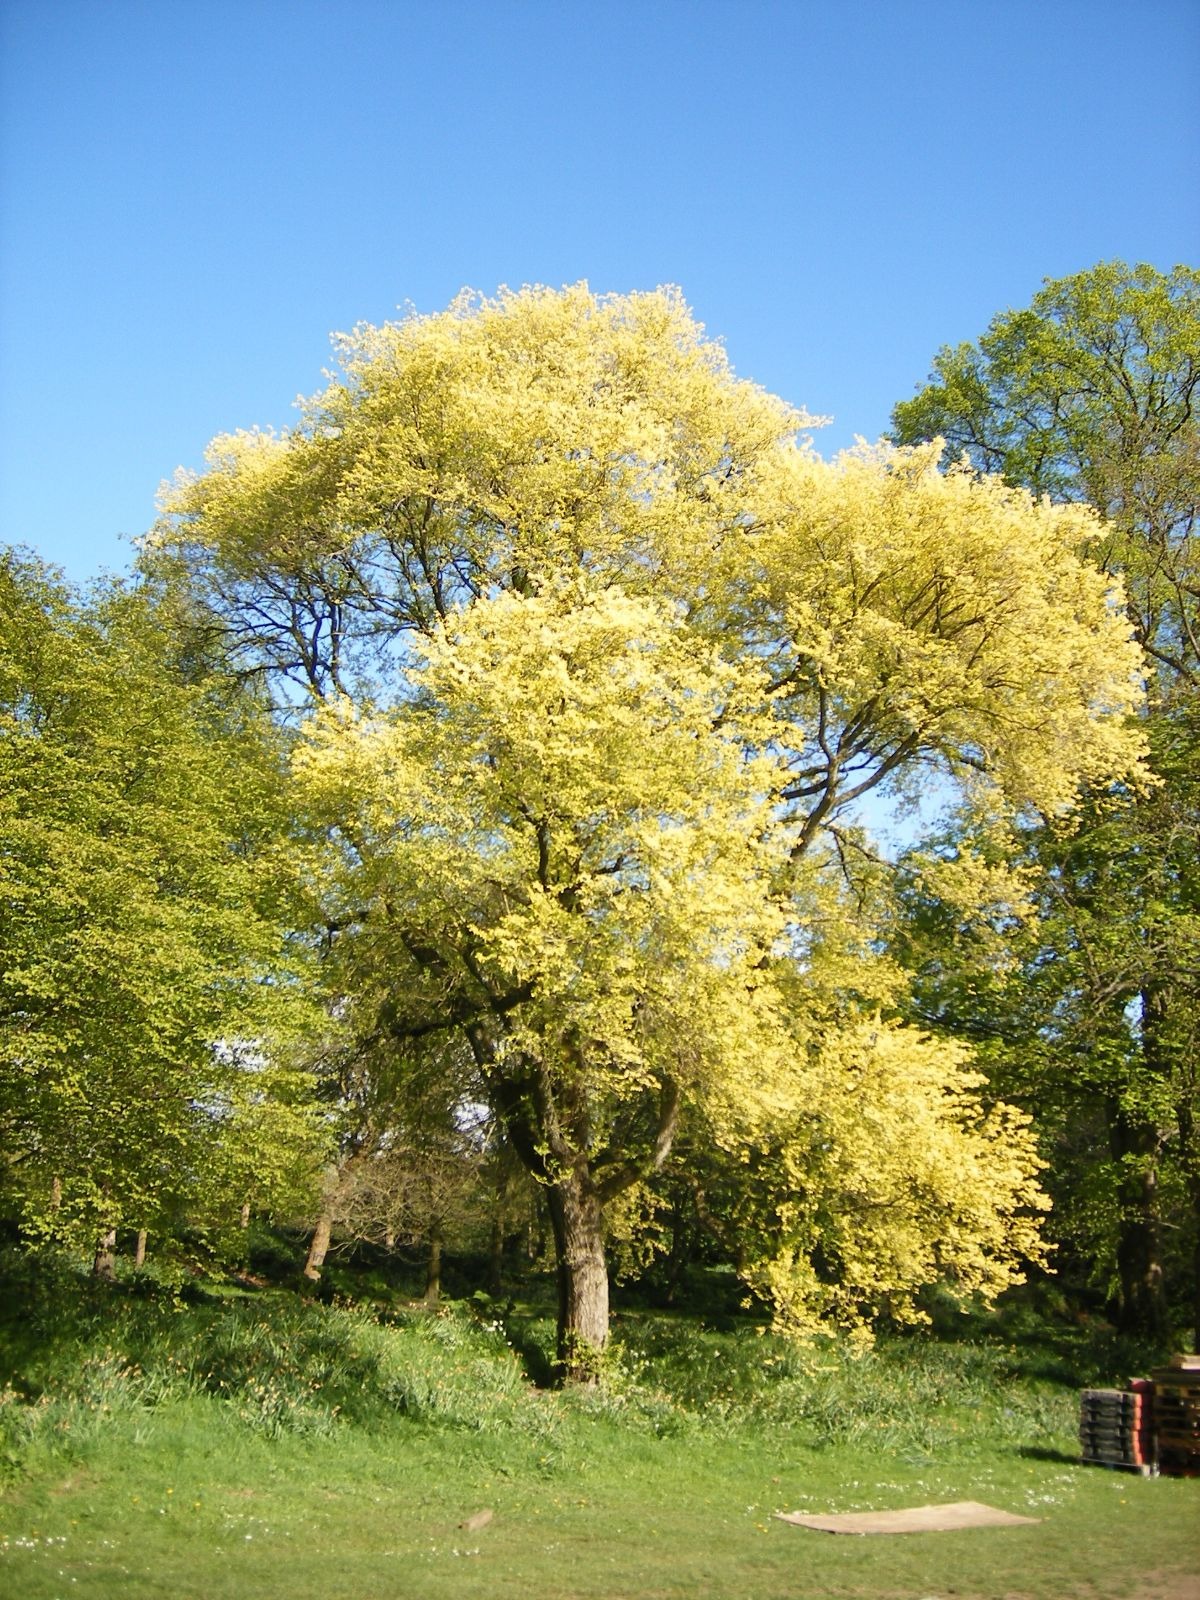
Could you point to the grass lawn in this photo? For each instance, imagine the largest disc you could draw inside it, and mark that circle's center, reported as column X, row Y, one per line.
column 181, row 1508
column 260, row 1449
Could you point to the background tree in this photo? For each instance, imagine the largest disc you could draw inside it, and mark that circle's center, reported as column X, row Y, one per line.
column 408, row 1129
column 605, row 654
column 1090, row 394
column 143, row 917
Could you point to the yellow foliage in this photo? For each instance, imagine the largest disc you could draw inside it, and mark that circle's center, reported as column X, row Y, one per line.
column 556, row 811
column 606, row 651
column 890, row 1173
column 952, row 611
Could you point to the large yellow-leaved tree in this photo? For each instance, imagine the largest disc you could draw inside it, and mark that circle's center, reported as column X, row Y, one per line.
column 595, row 658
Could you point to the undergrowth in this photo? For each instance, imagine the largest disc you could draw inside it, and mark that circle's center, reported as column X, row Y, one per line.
column 78, row 1356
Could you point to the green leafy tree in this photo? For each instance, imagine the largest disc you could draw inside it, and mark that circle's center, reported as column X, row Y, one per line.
column 600, row 654
column 1090, row 394
column 143, row 908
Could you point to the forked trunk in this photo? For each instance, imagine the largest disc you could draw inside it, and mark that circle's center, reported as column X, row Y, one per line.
column 319, row 1248
column 550, row 1127
column 577, row 1218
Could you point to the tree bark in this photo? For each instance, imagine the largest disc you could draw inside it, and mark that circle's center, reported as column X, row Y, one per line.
column 104, row 1263
column 319, row 1248
column 433, row 1267
column 576, row 1215
column 139, row 1254
column 679, row 1252
column 244, row 1215
column 1187, row 1131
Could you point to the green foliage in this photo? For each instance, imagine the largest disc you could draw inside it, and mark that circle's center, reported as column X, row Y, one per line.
column 147, row 990
column 78, row 1353
column 1089, row 394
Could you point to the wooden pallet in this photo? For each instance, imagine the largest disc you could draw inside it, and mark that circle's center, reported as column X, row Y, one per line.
column 1144, row 1469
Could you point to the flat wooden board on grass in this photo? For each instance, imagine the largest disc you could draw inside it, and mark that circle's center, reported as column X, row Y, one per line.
column 912, row 1519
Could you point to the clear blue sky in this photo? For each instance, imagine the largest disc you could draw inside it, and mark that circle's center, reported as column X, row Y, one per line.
column 194, row 193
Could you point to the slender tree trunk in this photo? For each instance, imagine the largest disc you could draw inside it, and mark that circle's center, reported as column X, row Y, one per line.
column 55, row 1193
column 678, row 1255
column 1189, row 1155
column 533, row 1239
column 496, row 1256
column 1190, row 1159
column 139, row 1254
column 576, row 1216
column 1143, row 1301
column 319, row 1247
column 244, row 1215
column 104, row 1263
column 433, row 1267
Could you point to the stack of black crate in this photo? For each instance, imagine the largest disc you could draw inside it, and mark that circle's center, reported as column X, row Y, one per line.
column 1116, row 1428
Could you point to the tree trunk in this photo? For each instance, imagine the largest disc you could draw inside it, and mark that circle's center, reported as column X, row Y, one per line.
column 679, row 1252
column 1191, row 1165
column 244, row 1216
column 550, row 1129
column 139, row 1254
column 1136, row 1141
column 576, row 1216
column 496, row 1257
column 1143, row 1301
column 55, row 1193
column 319, row 1248
column 104, row 1263
column 433, row 1269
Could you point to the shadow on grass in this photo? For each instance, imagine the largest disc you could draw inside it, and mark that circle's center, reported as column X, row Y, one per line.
column 1037, row 1452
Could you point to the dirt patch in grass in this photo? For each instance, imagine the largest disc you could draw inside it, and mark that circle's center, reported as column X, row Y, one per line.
column 1170, row 1585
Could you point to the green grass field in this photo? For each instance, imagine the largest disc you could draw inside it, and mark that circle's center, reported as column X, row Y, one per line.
column 245, row 1444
